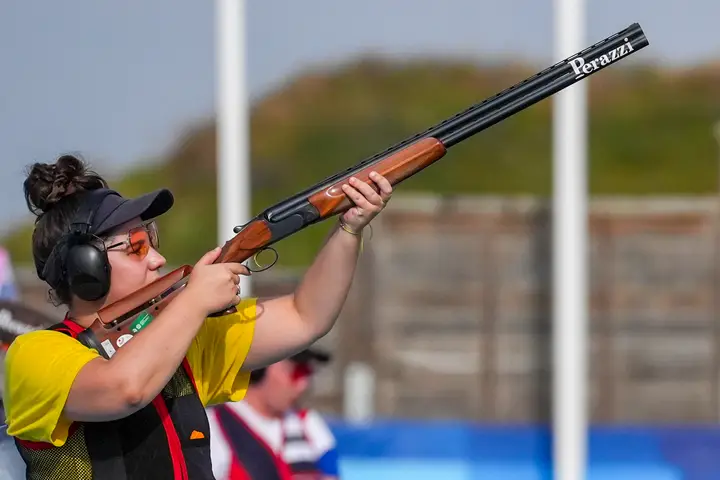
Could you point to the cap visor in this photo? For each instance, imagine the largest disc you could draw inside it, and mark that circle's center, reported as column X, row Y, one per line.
column 146, row 207
column 312, row 355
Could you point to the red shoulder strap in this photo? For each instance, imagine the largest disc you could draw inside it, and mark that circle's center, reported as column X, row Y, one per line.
column 67, row 326
column 73, row 327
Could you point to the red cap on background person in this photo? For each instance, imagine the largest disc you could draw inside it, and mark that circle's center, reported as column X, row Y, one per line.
column 306, row 360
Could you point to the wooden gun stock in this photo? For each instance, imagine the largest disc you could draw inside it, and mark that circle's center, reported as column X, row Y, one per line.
column 117, row 323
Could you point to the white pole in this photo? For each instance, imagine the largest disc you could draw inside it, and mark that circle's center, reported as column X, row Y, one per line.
column 233, row 163
column 359, row 394
column 570, row 314
column 716, row 134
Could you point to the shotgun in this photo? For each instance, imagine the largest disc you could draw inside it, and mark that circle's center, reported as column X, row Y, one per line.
column 118, row 322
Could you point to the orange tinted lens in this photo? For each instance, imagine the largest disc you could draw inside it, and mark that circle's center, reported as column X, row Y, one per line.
column 139, row 243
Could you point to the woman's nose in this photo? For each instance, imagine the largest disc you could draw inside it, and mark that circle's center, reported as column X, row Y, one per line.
column 156, row 260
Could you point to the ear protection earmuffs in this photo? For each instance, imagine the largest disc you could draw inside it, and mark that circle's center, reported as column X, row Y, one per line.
column 80, row 257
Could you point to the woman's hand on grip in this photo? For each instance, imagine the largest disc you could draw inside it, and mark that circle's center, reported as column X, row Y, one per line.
column 368, row 202
column 215, row 286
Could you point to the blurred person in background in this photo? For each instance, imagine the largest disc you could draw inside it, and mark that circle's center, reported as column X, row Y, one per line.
column 142, row 414
column 11, row 465
column 8, row 288
column 268, row 435
column 16, row 318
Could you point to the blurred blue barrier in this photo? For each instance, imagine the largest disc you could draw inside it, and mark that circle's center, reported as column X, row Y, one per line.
column 453, row 450
column 399, row 450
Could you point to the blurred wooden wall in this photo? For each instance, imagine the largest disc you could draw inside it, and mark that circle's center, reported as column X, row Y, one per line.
column 451, row 308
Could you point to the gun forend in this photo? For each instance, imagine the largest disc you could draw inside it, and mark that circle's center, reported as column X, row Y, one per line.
column 395, row 167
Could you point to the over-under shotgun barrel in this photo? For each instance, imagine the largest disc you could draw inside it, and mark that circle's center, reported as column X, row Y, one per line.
column 457, row 128
column 542, row 85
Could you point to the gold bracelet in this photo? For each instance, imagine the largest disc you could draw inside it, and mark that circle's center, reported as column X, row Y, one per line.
column 349, row 230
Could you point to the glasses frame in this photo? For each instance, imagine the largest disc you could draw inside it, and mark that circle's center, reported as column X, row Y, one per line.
column 149, row 226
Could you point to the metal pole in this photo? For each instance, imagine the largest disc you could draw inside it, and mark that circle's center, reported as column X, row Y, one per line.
column 716, row 309
column 570, row 315
column 233, row 163
column 716, row 133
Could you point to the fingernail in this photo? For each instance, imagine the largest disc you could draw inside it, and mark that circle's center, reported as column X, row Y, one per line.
column 373, row 174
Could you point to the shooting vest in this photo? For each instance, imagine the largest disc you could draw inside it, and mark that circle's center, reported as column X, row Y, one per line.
column 254, row 459
column 169, row 439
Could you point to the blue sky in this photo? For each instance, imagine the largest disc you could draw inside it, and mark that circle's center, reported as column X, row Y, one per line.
column 117, row 81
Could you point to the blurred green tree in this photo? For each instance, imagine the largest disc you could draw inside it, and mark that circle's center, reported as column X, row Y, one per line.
column 650, row 134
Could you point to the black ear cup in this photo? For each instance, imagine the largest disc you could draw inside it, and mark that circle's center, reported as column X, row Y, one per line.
column 81, row 257
column 87, row 269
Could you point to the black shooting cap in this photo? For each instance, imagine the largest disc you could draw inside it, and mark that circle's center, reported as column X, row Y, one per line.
column 105, row 210
column 115, row 210
column 311, row 355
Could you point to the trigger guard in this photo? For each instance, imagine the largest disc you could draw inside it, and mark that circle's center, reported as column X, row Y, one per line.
column 262, row 269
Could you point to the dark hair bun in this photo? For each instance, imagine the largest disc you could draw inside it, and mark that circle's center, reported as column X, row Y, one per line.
column 47, row 184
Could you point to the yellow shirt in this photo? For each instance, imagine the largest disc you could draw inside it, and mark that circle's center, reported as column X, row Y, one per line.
column 41, row 366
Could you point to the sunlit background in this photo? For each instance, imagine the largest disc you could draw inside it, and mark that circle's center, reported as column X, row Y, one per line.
column 450, row 316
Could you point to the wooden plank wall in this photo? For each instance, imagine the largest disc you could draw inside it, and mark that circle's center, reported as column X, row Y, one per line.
column 451, row 308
